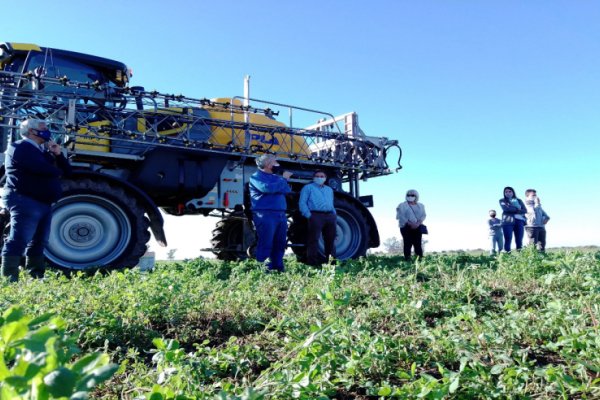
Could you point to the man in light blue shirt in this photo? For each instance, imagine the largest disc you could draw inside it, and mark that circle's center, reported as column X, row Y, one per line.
column 316, row 205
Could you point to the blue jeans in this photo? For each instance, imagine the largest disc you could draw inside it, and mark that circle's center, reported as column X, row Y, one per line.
column 518, row 228
column 496, row 242
column 271, row 229
column 29, row 225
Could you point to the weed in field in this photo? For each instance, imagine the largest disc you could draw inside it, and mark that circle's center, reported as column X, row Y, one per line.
column 521, row 325
column 37, row 360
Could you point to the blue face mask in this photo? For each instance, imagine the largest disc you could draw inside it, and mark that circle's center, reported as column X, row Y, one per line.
column 45, row 134
column 276, row 169
column 319, row 181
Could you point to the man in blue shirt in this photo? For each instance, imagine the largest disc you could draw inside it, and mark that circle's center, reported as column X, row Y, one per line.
column 33, row 166
column 267, row 196
column 316, row 205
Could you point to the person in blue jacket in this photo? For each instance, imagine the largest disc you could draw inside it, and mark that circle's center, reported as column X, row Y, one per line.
column 513, row 218
column 268, row 204
column 33, row 168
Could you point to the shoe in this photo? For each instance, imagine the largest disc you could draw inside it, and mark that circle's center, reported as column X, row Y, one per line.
column 10, row 267
column 36, row 266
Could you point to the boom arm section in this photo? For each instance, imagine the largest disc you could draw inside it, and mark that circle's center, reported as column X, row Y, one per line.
column 108, row 121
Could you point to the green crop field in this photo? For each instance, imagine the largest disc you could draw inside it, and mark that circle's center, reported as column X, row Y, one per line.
column 522, row 325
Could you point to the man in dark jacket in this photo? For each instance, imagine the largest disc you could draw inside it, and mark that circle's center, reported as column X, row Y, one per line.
column 267, row 194
column 33, row 166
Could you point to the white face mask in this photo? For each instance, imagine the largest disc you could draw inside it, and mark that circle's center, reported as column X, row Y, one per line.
column 410, row 198
column 319, row 181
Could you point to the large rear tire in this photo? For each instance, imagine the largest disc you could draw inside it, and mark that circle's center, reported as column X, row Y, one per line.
column 96, row 225
column 228, row 241
column 352, row 232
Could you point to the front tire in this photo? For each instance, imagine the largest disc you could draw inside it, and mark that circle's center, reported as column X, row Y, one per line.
column 96, row 225
column 233, row 239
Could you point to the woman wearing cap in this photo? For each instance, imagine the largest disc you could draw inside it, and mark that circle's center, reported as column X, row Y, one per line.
column 410, row 215
column 513, row 218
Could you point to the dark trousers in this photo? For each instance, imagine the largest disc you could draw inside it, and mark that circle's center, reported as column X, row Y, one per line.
column 537, row 236
column 518, row 228
column 411, row 238
column 325, row 224
column 29, row 226
column 271, row 229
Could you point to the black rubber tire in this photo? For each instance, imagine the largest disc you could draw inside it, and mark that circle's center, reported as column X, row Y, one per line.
column 96, row 226
column 228, row 239
column 352, row 238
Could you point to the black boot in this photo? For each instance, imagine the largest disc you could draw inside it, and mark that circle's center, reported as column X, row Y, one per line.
column 36, row 265
column 10, row 267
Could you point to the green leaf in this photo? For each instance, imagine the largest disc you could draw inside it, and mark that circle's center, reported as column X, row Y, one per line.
column 35, row 365
column 79, row 396
column 39, row 389
column 403, row 375
column 97, row 376
column 159, row 344
column 454, row 385
column 60, row 382
column 36, row 341
column 39, row 320
column 17, row 382
column 13, row 331
column 4, row 372
column 88, row 363
column 7, row 392
column 302, row 379
column 172, row 344
column 385, row 391
column 497, row 369
column 12, row 314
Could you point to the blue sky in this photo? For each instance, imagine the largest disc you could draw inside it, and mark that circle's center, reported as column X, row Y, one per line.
column 480, row 95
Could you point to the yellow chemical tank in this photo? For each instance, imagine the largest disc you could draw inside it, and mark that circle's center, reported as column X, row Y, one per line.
column 259, row 139
column 94, row 141
column 171, row 122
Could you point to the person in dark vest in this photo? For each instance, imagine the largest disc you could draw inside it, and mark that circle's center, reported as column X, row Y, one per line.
column 316, row 205
column 33, row 168
column 268, row 204
column 513, row 218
